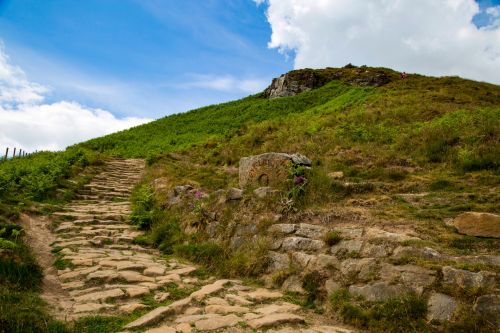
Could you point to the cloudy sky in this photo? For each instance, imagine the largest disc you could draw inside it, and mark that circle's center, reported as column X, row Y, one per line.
column 72, row 70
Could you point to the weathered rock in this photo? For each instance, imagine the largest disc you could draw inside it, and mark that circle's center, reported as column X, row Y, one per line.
column 375, row 251
column 301, row 244
column 332, row 286
column 275, row 320
column 293, row 284
column 235, row 194
column 488, row 306
column 237, row 299
column 282, row 228
column 478, row 224
column 277, row 261
column 101, row 295
column 302, row 259
column 129, row 308
column 154, row 271
column 107, row 275
column 364, row 269
column 376, row 233
column 162, row 329
column 441, row 307
column 159, row 313
column 326, row 329
column 209, row 289
column 161, row 297
column 225, row 309
column 261, row 294
column 324, row 262
column 269, row 169
column 277, row 308
column 378, row 291
column 193, row 318
column 410, row 251
column 346, row 247
column 310, row 231
column 183, row 328
column 412, row 276
column 137, row 291
column 182, row 189
column 467, row 279
column 217, row 322
column 90, row 307
column 132, row 276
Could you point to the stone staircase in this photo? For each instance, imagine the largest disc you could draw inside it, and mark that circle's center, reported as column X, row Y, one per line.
column 107, row 274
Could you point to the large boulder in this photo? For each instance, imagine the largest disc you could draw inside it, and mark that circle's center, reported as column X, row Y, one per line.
column 269, row 169
column 477, row 224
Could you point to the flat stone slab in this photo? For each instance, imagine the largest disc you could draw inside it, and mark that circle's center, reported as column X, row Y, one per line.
column 262, row 294
column 217, row 322
column 275, row 320
column 101, row 295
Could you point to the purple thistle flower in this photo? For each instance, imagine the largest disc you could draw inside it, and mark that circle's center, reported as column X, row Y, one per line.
column 298, row 180
column 198, row 194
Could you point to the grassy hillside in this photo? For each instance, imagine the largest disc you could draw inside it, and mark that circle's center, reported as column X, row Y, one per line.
column 421, row 149
column 436, row 120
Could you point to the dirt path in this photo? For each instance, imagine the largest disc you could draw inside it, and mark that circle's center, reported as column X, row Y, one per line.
column 107, row 274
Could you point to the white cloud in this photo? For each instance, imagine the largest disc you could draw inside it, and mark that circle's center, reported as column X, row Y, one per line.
column 28, row 123
column 226, row 83
column 435, row 37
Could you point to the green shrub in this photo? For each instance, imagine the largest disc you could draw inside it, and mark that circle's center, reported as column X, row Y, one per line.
column 144, row 211
column 332, row 237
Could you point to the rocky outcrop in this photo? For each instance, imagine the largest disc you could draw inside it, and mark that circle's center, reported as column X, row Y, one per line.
column 477, row 224
column 269, row 169
column 298, row 81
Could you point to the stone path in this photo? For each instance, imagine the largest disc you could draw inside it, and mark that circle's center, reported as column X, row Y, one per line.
column 108, row 274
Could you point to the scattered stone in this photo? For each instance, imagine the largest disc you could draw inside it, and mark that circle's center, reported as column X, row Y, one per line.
column 301, row 244
column 441, row 307
column 209, row 289
column 412, row 276
column 325, row 262
column 161, row 297
column 90, row 307
column 374, row 251
column 216, row 301
column 347, row 246
column 378, row 291
column 274, row 320
column 488, row 306
column 282, row 228
column 410, row 251
column 375, row 233
column 225, row 309
column 191, row 319
column 154, row 271
column 277, row 261
column 467, row 279
column 162, row 329
column 217, row 322
column 235, row 194
column 238, row 299
column 182, row 271
column 183, row 328
column 332, row 286
column 262, row 294
column 131, row 276
column 327, row 329
column 477, row 224
column 302, row 259
column 129, row 308
column 363, row 269
column 277, row 308
column 310, row 231
column 101, row 295
column 137, row 291
column 293, row 284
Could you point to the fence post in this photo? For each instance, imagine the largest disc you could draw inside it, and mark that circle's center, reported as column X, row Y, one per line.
column 20, row 152
column 14, row 153
column 6, row 154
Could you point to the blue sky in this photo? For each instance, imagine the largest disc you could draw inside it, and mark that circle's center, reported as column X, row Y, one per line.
column 85, row 68
column 144, row 57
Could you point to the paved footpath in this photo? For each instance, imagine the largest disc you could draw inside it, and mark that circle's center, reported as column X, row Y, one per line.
column 108, row 274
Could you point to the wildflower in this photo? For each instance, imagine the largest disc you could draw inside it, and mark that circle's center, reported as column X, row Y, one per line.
column 299, row 180
column 198, row 194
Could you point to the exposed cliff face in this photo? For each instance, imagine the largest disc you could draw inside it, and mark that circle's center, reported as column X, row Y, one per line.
column 298, row 81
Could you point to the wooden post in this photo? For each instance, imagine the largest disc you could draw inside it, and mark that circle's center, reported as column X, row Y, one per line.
column 14, row 153
column 20, row 152
column 6, row 154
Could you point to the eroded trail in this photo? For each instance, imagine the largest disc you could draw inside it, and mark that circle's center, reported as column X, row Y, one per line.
column 107, row 274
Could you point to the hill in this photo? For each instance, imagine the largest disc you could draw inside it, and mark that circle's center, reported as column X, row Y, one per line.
column 394, row 161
